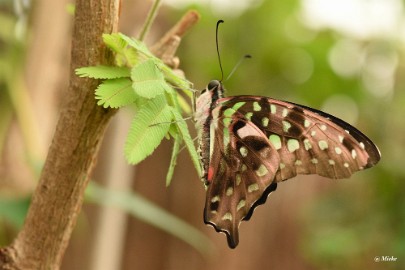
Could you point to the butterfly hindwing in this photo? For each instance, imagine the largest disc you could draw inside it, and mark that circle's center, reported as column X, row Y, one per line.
column 242, row 167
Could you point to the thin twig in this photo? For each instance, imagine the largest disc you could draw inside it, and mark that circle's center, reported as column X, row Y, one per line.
column 167, row 46
column 170, row 39
column 149, row 20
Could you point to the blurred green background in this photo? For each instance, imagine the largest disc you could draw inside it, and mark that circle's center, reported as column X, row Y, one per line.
column 343, row 57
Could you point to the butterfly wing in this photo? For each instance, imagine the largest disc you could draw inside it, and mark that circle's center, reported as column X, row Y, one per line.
column 312, row 142
column 241, row 170
column 256, row 142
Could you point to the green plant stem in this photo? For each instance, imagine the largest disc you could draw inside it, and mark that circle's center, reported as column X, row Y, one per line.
column 144, row 210
column 5, row 119
column 149, row 20
column 23, row 108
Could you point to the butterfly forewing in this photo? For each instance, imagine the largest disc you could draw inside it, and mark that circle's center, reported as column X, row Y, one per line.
column 257, row 141
column 308, row 141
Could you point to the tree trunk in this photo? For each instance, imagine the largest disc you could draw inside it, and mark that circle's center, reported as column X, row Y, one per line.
column 58, row 197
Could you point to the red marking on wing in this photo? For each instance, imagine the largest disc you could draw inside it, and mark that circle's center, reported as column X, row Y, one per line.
column 210, row 174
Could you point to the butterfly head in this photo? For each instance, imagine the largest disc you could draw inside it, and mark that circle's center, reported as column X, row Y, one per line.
column 212, row 92
column 207, row 100
column 214, row 89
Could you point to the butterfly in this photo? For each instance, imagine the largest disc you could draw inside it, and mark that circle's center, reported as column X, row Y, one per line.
column 248, row 144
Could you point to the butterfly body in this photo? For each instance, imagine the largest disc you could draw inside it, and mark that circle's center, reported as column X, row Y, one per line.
column 250, row 143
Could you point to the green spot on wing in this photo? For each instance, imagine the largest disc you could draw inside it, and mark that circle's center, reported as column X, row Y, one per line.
column 286, row 126
column 323, row 145
column 275, row 141
column 292, row 145
column 307, row 144
column 273, row 108
column 256, row 106
column 227, row 121
column 240, row 205
column 243, row 151
column 262, row 171
column 265, row 121
column 253, row 187
column 229, row 112
column 237, row 105
column 227, row 216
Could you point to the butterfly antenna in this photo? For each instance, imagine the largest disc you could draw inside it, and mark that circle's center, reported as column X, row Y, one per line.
column 246, row 56
column 219, row 57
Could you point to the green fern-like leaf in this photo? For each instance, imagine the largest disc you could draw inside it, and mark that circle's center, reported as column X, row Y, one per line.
column 115, row 93
column 148, row 128
column 145, row 81
column 183, row 130
column 174, row 79
column 148, row 80
column 175, row 153
column 125, row 55
column 115, row 42
column 168, row 73
column 129, row 57
column 137, row 45
column 183, row 104
column 104, row 72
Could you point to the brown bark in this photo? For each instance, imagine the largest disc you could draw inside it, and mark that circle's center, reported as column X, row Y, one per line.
column 59, row 194
column 58, row 197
